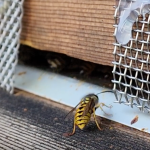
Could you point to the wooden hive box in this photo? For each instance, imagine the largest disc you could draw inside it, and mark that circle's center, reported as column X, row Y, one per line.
column 81, row 29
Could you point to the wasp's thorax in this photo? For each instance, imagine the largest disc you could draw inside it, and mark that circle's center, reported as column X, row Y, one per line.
column 95, row 98
column 92, row 97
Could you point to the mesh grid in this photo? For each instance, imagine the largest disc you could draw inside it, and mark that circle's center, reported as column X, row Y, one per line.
column 10, row 28
column 131, row 70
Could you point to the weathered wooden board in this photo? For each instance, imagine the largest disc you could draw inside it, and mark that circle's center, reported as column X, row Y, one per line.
column 81, row 29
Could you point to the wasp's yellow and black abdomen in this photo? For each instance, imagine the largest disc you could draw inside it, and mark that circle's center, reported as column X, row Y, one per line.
column 80, row 119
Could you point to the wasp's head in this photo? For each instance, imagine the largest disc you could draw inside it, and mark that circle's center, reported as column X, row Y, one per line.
column 95, row 98
column 92, row 97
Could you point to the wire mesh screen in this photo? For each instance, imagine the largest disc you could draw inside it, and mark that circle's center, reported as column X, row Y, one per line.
column 10, row 28
column 131, row 70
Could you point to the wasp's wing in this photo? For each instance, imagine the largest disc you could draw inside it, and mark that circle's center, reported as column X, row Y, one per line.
column 67, row 116
column 89, row 106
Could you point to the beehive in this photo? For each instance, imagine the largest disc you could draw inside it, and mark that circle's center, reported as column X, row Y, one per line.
column 81, row 29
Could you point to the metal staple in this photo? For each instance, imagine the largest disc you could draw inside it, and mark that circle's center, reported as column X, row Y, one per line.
column 131, row 72
column 10, row 28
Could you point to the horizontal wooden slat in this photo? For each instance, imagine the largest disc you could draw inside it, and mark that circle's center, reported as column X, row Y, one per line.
column 66, row 35
column 81, row 29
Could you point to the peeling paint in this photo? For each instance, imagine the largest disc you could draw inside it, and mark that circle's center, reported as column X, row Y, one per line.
column 21, row 73
column 144, row 129
column 90, row 87
column 52, row 77
column 40, row 77
column 79, row 84
column 59, row 100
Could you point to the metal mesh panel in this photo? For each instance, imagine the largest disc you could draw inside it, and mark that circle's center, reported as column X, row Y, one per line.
column 131, row 65
column 10, row 28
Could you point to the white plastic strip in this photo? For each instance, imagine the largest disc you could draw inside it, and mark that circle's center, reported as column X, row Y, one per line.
column 69, row 91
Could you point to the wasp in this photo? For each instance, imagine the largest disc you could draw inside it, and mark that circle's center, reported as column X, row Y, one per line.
column 86, row 107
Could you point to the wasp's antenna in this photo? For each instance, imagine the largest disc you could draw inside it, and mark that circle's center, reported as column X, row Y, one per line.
column 105, row 92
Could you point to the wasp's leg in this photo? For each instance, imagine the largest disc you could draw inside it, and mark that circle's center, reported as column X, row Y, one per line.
column 96, row 120
column 99, row 106
column 73, row 132
column 105, row 105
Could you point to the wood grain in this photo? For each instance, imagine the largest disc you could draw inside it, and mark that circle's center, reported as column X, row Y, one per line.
column 81, row 29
